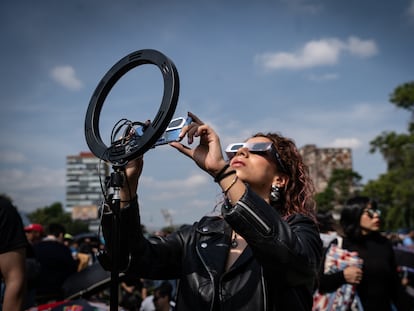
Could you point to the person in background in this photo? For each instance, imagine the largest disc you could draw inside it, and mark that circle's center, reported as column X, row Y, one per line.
column 377, row 283
column 327, row 228
column 13, row 245
column 56, row 264
column 408, row 240
column 34, row 233
column 130, row 290
column 162, row 297
column 262, row 253
column 147, row 304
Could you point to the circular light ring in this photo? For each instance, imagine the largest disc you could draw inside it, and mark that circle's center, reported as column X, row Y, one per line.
column 123, row 153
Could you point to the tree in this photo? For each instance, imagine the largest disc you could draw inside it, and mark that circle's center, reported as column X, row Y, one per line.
column 403, row 96
column 395, row 189
column 342, row 184
column 56, row 214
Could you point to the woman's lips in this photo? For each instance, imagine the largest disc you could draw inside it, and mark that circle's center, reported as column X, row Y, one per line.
column 237, row 163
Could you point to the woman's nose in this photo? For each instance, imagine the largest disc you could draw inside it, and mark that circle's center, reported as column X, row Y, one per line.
column 242, row 152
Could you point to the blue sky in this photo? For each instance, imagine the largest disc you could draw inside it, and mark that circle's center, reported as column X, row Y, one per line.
column 320, row 72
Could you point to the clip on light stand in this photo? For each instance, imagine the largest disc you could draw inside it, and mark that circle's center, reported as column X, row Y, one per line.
column 124, row 150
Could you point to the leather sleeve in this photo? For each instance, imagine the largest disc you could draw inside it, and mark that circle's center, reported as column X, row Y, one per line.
column 130, row 234
column 289, row 248
column 155, row 258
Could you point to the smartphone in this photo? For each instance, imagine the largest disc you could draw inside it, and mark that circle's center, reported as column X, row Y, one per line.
column 173, row 131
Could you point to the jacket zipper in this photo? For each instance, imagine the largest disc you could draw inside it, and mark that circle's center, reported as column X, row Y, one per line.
column 264, row 289
column 255, row 216
column 211, row 277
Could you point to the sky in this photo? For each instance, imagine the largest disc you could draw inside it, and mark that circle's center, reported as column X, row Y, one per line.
column 319, row 72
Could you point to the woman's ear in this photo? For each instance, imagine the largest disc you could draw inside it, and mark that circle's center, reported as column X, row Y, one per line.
column 280, row 180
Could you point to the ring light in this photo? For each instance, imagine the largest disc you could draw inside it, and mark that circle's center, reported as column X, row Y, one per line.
column 120, row 153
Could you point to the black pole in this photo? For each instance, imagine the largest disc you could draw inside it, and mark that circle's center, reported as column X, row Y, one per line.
column 116, row 183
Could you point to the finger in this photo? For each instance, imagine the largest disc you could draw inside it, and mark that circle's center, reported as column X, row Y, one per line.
column 202, row 130
column 183, row 149
column 195, row 118
column 191, row 133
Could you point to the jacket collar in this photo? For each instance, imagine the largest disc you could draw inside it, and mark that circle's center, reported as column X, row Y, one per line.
column 214, row 243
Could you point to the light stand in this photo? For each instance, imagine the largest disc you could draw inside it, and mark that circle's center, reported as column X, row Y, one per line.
column 124, row 151
column 116, row 182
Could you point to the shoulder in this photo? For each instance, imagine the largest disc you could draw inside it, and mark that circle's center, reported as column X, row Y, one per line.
column 302, row 222
column 211, row 221
column 304, row 227
column 206, row 225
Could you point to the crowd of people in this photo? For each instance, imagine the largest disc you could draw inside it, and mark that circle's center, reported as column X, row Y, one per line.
column 36, row 260
column 264, row 248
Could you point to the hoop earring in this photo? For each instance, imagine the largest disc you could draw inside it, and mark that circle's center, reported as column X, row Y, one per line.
column 276, row 194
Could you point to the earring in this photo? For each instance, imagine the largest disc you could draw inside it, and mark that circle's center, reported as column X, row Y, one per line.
column 275, row 194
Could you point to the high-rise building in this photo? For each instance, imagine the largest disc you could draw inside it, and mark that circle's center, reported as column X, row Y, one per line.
column 322, row 162
column 84, row 175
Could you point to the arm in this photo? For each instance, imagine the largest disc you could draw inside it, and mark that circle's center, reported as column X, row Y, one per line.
column 289, row 248
column 12, row 266
column 152, row 258
column 329, row 282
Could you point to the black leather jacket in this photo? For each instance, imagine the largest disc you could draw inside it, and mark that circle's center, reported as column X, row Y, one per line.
column 276, row 271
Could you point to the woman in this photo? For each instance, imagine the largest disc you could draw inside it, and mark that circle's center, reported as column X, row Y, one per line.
column 377, row 283
column 263, row 253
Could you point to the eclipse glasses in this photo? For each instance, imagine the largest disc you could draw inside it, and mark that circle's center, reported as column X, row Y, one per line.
column 256, row 148
column 173, row 131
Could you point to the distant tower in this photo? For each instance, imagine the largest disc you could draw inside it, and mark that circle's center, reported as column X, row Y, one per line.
column 322, row 161
column 84, row 173
column 167, row 217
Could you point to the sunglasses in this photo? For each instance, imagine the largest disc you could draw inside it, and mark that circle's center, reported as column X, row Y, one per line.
column 371, row 212
column 260, row 148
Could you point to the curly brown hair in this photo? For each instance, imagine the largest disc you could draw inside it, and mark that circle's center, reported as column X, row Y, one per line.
column 299, row 190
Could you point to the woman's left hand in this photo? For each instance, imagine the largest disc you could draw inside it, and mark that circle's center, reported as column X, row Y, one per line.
column 207, row 155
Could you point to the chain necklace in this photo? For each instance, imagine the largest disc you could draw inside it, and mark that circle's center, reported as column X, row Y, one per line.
column 234, row 242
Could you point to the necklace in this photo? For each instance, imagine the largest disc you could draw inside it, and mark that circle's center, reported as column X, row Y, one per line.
column 234, row 243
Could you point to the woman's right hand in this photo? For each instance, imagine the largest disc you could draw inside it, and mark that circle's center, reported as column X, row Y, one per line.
column 353, row 275
column 133, row 171
column 207, row 154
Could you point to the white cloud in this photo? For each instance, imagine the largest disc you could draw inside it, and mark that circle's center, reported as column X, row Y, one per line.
column 305, row 6
column 32, row 180
column 324, row 52
column 11, row 157
column 353, row 143
column 66, row 76
column 175, row 188
column 192, row 182
column 323, row 77
column 360, row 47
column 33, row 188
column 410, row 10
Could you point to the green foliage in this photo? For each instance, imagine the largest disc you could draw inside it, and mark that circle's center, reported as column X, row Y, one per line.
column 403, row 96
column 341, row 185
column 325, row 200
column 393, row 147
column 169, row 229
column 56, row 214
column 395, row 189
